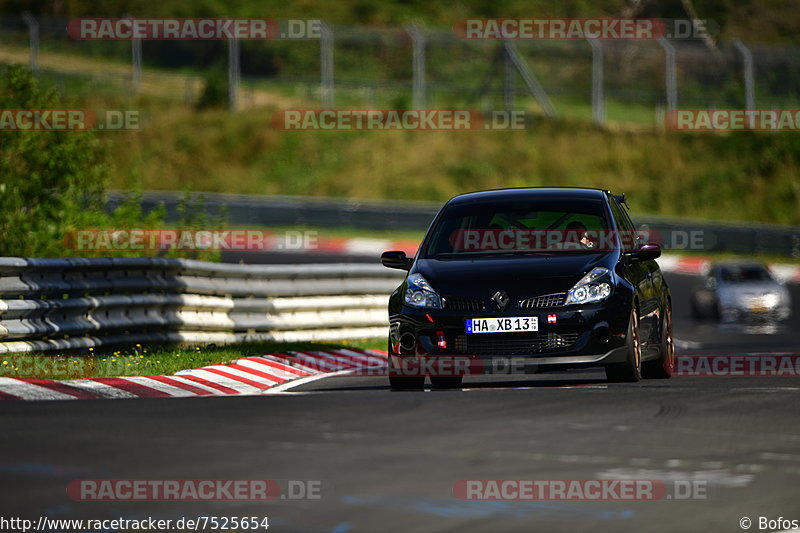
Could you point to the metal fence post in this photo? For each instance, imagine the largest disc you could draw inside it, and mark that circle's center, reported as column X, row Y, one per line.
column 530, row 79
column 509, row 83
column 672, row 80
column 233, row 73
column 598, row 103
column 136, row 62
column 326, row 64
column 749, row 81
column 418, row 47
column 33, row 30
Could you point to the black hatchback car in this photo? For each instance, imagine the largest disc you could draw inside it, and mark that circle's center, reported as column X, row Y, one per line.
column 541, row 278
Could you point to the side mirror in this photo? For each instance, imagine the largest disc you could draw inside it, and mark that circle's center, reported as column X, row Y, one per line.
column 645, row 252
column 396, row 259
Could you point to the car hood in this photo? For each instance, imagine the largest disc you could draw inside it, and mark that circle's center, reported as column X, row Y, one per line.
column 519, row 276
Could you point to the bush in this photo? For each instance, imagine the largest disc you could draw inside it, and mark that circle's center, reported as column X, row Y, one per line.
column 215, row 90
column 54, row 182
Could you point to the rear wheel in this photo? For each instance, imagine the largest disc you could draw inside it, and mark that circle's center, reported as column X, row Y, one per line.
column 631, row 369
column 664, row 366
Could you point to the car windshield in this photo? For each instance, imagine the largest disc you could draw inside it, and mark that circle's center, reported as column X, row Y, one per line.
column 741, row 274
column 540, row 225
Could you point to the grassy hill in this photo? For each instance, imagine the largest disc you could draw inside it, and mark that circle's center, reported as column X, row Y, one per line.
column 741, row 176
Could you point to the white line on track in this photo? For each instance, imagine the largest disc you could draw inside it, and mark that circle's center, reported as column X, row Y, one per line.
column 687, row 345
column 285, row 387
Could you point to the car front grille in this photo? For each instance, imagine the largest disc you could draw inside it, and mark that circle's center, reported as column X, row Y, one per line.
column 463, row 303
column 513, row 344
column 547, row 300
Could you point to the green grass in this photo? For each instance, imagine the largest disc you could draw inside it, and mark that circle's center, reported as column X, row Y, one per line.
column 738, row 176
column 146, row 360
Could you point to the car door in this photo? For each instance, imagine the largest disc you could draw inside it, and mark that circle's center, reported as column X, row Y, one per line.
column 639, row 274
column 656, row 285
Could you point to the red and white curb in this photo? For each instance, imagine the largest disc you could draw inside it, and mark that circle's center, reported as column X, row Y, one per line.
column 244, row 377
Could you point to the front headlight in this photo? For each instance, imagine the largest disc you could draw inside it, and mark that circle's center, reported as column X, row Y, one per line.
column 593, row 287
column 419, row 293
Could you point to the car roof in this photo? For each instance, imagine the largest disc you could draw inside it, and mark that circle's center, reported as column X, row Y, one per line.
column 522, row 192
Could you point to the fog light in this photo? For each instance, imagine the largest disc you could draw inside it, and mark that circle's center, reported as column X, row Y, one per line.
column 602, row 333
column 441, row 340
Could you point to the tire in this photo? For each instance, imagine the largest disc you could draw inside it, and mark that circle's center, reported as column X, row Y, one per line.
column 403, row 382
column 630, row 370
column 448, row 382
column 664, row 366
column 407, row 383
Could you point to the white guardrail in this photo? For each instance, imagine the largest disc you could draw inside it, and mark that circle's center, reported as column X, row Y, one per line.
column 58, row 304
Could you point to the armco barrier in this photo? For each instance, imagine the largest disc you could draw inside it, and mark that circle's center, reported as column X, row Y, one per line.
column 677, row 235
column 49, row 304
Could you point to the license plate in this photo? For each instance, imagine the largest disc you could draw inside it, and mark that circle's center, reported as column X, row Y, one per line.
column 502, row 325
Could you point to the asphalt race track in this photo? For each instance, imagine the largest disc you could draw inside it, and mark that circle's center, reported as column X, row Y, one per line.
column 388, row 461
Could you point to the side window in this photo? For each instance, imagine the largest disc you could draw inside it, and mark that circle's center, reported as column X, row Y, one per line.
column 624, row 225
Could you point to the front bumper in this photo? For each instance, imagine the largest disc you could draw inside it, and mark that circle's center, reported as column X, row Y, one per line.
column 568, row 336
column 745, row 310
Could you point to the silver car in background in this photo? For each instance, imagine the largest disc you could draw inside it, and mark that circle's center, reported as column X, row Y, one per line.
column 737, row 290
